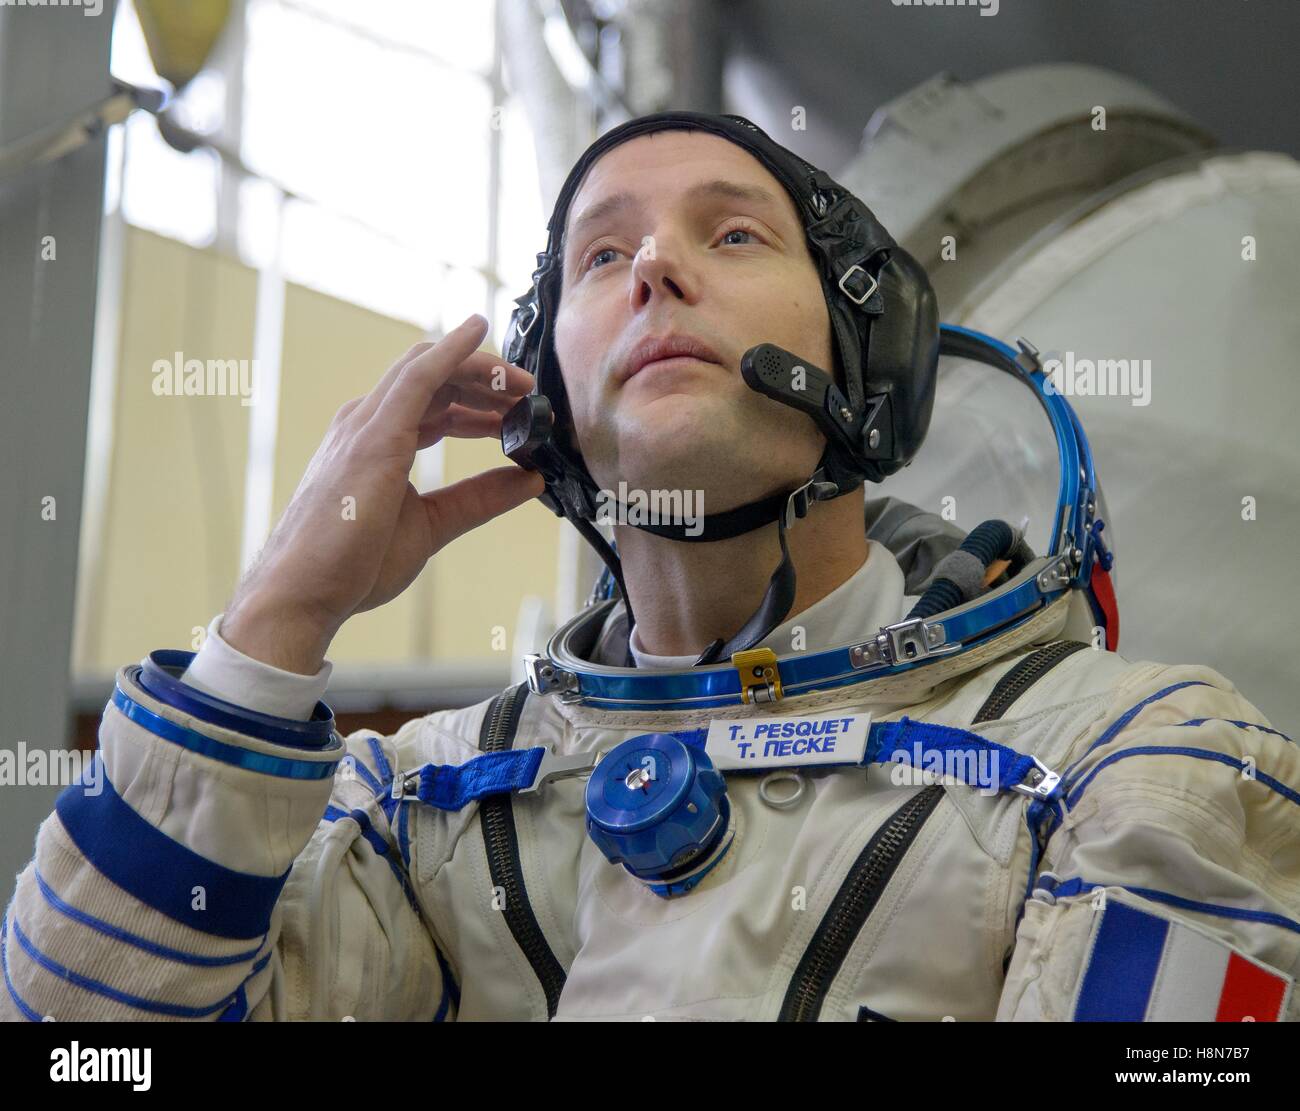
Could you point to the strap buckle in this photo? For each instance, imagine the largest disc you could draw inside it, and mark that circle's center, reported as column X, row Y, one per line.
column 875, row 285
column 522, row 332
column 545, row 678
column 1040, row 781
column 800, row 500
column 903, row 642
column 1029, row 360
column 562, row 767
column 406, row 786
column 1058, row 574
column 760, row 678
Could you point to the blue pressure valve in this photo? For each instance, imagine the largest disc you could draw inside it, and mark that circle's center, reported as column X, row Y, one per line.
column 657, row 806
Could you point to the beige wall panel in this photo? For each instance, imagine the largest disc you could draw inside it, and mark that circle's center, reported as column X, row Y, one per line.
column 480, row 579
column 170, row 549
column 173, row 531
column 334, row 351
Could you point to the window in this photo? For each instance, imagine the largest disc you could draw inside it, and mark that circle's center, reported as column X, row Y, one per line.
column 370, row 133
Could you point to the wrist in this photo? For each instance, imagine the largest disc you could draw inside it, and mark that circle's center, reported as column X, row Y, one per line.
column 282, row 635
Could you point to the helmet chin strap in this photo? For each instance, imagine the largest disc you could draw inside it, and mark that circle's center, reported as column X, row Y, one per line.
column 779, row 596
column 785, row 509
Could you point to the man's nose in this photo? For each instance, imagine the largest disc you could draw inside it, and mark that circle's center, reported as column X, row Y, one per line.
column 658, row 271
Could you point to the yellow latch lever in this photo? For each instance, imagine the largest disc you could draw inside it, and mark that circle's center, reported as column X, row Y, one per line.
column 760, row 681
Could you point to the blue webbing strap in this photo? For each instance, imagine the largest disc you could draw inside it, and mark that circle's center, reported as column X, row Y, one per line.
column 887, row 741
column 454, row 786
column 1064, row 889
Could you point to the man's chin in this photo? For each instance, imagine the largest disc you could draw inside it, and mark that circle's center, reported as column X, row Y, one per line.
column 687, row 407
column 674, row 427
column 680, row 457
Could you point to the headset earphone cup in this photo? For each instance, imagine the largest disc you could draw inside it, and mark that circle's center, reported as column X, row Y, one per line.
column 903, row 358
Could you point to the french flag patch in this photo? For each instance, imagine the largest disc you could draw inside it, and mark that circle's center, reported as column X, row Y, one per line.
column 1144, row 968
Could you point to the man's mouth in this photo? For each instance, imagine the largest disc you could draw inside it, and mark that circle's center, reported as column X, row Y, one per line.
column 664, row 351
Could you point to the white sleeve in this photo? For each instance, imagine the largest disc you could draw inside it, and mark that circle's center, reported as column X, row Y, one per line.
column 199, row 871
column 1171, row 886
column 225, row 672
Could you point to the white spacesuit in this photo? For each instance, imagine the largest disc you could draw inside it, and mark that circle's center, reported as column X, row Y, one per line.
column 506, row 909
column 980, row 811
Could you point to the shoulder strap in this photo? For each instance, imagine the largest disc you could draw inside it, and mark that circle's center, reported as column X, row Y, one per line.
column 501, row 843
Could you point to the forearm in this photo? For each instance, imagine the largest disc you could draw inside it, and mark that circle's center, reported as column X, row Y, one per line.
column 154, row 883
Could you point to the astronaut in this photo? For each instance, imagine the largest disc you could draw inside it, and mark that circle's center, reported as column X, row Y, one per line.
column 903, row 776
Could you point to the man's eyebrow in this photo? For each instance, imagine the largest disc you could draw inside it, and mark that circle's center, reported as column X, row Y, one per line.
column 718, row 189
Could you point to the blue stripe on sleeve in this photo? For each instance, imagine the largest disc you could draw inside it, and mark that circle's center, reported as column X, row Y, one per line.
column 128, row 938
column 1123, row 720
column 450, row 989
column 404, row 836
column 263, row 762
column 238, row 1009
column 381, row 761
column 27, row 1012
column 1241, row 725
column 98, row 987
column 1271, row 782
column 163, row 873
column 1076, row 886
column 1122, row 965
column 367, row 776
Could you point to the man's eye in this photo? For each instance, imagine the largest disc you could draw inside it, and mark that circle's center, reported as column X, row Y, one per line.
column 751, row 236
column 747, row 234
column 591, row 265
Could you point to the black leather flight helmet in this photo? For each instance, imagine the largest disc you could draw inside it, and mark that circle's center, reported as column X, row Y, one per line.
column 884, row 317
column 884, row 325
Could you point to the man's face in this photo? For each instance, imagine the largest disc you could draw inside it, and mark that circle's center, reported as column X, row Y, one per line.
column 684, row 234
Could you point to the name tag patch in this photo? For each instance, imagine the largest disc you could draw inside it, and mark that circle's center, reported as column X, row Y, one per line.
column 788, row 742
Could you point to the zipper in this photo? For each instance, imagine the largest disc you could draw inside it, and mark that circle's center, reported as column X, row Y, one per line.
column 1023, row 676
column 852, row 906
column 501, row 840
column 876, row 864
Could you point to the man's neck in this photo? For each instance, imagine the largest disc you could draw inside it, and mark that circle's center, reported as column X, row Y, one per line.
column 685, row 595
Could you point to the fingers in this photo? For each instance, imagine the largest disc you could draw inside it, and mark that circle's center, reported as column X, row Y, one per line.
column 491, row 373
column 456, row 509
column 413, row 390
column 450, row 372
column 475, row 395
column 365, row 406
column 458, row 421
column 346, row 408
